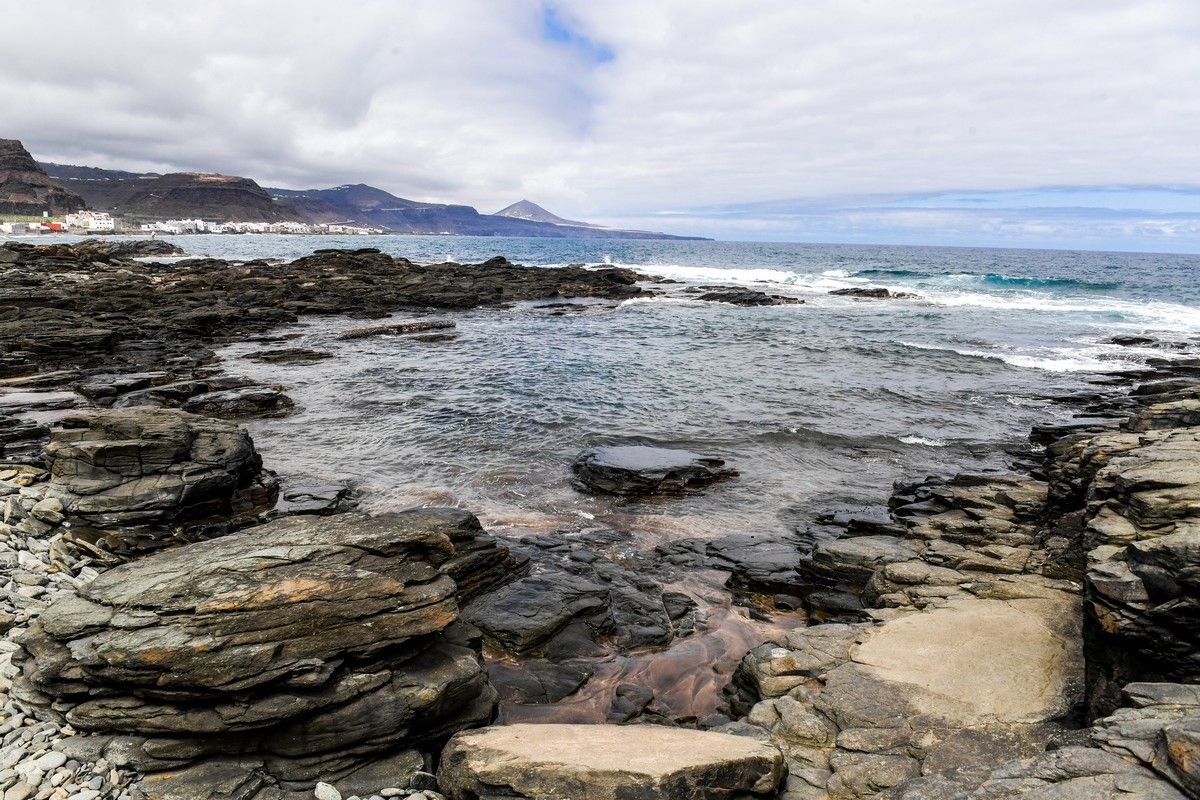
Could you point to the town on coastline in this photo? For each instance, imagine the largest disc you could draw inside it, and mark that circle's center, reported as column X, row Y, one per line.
column 103, row 223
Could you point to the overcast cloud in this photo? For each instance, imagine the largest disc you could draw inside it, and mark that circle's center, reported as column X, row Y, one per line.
column 680, row 113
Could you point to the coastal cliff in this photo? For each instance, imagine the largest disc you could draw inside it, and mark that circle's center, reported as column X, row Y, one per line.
column 25, row 189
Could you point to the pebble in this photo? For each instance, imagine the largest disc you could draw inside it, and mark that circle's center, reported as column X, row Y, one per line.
column 324, row 791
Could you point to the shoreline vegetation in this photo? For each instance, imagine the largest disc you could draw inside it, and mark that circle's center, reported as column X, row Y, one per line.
column 181, row 622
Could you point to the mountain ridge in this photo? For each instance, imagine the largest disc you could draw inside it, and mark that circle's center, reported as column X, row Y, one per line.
column 237, row 198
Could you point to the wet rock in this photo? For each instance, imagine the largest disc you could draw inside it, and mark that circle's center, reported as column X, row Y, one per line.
column 527, row 612
column 639, row 470
column 397, row 329
column 748, row 297
column 605, row 762
column 305, row 496
column 249, row 401
column 872, row 293
column 289, row 355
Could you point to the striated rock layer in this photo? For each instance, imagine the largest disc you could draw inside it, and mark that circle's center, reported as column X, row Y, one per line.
column 314, row 644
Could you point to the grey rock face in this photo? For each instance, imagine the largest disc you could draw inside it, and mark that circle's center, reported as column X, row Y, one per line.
column 640, row 470
column 130, row 479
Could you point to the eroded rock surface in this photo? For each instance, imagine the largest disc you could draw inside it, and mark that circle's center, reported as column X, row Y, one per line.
column 131, row 479
column 636, row 470
column 606, row 762
column 316, row 644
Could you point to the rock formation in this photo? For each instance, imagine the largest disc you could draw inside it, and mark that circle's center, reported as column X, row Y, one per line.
column 25, row 189
column 131, row 316
column 639, row 470
column 129, row 480
column 310, row 646
column 606, row 762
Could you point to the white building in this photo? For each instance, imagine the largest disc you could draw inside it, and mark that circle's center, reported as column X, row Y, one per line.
column 90, row 220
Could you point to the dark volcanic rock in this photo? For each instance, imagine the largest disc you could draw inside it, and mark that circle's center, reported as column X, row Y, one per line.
column 91, row 306
column 248, row 401
column 872, row 293
column 314, row 643
column 133, row 478
column 399, row 328
column 640, row 470
column 748, row 297
column 290, row 355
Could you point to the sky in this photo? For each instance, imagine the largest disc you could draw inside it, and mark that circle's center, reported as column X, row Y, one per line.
column 1070, row 123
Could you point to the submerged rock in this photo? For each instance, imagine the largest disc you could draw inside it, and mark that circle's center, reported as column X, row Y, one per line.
column 639, row 470
column 606, row 762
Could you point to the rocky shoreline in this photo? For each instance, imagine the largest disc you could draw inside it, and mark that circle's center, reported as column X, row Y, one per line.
column 180, row 623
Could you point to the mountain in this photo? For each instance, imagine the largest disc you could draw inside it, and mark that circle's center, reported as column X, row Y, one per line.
column 25, row 189
column 368, row 205
column 172, row 196
column 524, row 209
column 233, row 198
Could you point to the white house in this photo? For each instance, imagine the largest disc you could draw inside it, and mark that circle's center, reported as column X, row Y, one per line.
column 90, row 220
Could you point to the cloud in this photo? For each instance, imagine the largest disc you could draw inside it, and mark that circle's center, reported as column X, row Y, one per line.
column 621, row 109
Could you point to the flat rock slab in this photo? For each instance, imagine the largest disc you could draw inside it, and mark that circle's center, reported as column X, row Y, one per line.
column 640, row 470
column 979, row 660
column 606, row 762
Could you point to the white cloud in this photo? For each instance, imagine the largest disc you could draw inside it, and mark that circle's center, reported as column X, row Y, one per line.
column 702, row 103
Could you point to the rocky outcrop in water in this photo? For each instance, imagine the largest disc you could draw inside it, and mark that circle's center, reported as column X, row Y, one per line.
column 310, row 646
column 84, row 306
column 604, row 762
column 871, row 293
column 638, row 470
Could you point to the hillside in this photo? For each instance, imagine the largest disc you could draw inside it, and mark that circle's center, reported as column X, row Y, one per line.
column 525, row 209
column 234, row 198
column 367, row 204
column 26, row 189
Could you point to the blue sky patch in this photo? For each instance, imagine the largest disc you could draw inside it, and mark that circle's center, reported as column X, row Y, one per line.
column 557, row 29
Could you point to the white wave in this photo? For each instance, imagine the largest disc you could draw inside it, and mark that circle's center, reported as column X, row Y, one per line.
column 1155, row 313
column 666, row 301
column 921, row 440
column 836, row 273
column 1050, row 359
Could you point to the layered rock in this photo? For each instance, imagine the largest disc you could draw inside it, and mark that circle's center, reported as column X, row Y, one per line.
column 26, row 189
column 917, row 688
column 606, row 762
column 316, row 644
column 128, row 480
column 637, row 470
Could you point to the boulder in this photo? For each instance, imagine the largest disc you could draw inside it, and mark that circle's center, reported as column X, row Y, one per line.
column 249, row 401
column 640, row 470
column 606, row 762
column 130, row 479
